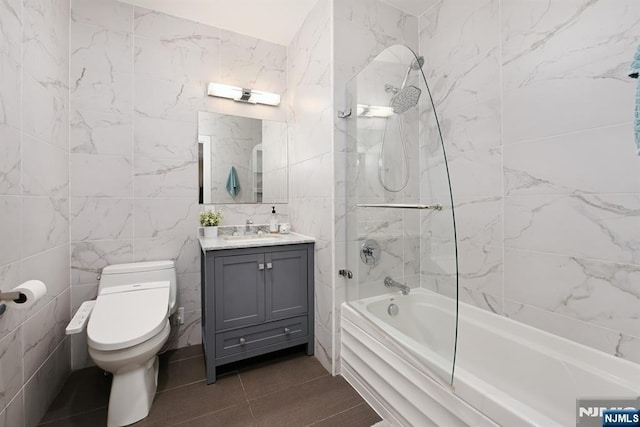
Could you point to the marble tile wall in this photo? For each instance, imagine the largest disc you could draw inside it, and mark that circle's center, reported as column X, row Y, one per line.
column 536, row 109
column 310, row 113
column 34, row 203
column 138, row 79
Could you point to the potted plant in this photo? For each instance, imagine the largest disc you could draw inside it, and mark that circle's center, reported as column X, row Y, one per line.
column 210, row 220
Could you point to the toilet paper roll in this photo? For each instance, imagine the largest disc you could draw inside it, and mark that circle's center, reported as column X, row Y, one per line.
column 32, row 290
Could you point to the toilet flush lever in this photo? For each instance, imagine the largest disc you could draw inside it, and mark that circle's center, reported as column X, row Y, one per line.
column 81, row 318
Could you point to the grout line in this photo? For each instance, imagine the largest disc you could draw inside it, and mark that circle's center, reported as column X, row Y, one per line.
column 180, row 386
column 246, row 398
column 188, row 420
column 333, row 415
column 328, row 374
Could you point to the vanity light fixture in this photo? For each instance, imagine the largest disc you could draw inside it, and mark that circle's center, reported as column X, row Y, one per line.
column 239, row 94
column 374, row 111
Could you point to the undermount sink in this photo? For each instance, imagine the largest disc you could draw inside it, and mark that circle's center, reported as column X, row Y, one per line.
column 252, row 238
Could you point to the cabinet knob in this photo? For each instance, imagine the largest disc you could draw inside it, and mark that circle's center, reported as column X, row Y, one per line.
column 243, row 341
column 260, row 266
column 269, row 266
column 287, row 331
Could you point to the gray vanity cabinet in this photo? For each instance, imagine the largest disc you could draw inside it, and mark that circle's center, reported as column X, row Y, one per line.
column 255, row 301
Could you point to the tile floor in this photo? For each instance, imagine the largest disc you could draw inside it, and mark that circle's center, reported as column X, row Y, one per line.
column 288, row 388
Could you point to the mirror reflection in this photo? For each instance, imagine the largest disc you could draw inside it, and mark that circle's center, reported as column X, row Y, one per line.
column 242, row 160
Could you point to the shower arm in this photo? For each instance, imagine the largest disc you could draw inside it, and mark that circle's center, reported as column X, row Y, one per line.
column 436, row 207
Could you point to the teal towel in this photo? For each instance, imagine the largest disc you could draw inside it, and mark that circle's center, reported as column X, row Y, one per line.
column 233, row 184
column 634, row 72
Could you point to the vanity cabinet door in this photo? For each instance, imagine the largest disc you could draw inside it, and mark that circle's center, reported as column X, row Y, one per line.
column 239, row 290
column 286, row 283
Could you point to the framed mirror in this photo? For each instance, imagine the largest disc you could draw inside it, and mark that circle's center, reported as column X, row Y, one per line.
column 242, row 160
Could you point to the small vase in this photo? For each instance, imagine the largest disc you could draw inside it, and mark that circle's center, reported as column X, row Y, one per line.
column 211, row 232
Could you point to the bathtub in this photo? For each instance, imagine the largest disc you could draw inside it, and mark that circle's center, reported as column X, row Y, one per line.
column 506, row 373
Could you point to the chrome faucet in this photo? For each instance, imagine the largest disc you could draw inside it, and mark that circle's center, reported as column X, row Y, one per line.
column 247, row 227
column 390, row 283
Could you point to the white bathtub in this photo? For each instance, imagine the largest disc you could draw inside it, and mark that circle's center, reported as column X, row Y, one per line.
column 506, row 373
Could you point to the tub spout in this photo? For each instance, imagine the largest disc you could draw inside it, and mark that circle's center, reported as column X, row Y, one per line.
column 390, row 283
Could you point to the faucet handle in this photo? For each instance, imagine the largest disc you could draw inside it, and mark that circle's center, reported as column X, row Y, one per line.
column 249, row 222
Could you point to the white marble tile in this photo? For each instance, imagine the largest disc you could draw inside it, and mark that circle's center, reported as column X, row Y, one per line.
column 45, row 169
column 45, row 41
column 45, row 111
column 13, row 415
column 168, row 100
column 313, row 177
column 596, row 292
column 44, row 223
column 166, row 218
column 323, row 314
column 452, row 40
column 312, row 217
column 101, row 219
column 628, row 348
column 237, row 48
column 190, row 332
column 158, row 58
column 10, row 164
column 478, row 221
column 173, row 30
column 10, row 101
column 165, row 178
column 323, row 350
column 560, row 51
column 88, row 259
column 82, row 293
column 189, row 291
column 465, row 169
column 101, row 176
column 481, row 269
column 10, row 219
column 43, row 332
column 602, row 339
column 166, row 139
column 605, row 227
column 50, row 267
column 237, row 214
column 482, row 300
column 11, row 34
column 41, row 389
column 10, row 367
column 101, row 69
column 10, row 277
column 549, row 166
column 113, row 15
column 323, row 272
column 100, row 132
column 471, row 127
column 184, row 249
column 249, row 62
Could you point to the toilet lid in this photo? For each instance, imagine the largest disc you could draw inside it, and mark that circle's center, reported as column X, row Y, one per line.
column 128, row 315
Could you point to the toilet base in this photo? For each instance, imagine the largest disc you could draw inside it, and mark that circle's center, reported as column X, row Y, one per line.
column 132, row 393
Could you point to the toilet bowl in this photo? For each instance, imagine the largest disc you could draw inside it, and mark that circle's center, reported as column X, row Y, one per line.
column 129, row 324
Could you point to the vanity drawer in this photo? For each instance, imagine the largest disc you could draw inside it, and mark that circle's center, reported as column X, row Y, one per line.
column 253, row 337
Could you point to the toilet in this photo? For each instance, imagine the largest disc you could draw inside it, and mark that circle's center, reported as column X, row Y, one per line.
column 127, row 328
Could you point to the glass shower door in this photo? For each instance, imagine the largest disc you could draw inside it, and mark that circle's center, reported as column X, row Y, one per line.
column 400, row 230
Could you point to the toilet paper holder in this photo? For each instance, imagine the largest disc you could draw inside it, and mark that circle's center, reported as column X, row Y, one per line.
column 15, row 296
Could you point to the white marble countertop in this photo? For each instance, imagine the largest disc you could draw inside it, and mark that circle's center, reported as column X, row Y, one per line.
column 268, row 240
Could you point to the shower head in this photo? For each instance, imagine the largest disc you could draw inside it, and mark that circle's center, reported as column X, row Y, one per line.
column 405, row 98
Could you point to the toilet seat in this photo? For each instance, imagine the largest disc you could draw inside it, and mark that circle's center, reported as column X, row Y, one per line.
column 128, row 315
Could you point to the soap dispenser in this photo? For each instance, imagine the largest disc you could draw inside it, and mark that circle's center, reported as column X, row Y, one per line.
column 273, row 222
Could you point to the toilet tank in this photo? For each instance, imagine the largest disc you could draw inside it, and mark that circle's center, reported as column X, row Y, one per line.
column 139, row 272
